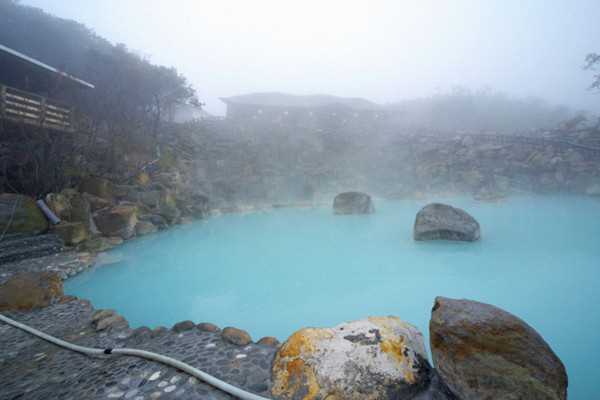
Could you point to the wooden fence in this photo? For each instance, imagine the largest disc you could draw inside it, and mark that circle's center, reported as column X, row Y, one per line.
column 29, row 108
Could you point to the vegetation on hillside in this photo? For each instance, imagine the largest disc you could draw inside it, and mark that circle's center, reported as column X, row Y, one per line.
column 124, row 113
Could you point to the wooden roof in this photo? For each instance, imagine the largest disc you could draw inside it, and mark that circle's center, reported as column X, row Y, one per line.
column 13, row 55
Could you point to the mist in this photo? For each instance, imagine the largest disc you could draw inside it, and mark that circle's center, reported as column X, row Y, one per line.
column 385, row 51
column 416, row 181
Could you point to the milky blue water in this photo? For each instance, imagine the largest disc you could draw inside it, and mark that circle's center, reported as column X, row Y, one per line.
column 271, row 273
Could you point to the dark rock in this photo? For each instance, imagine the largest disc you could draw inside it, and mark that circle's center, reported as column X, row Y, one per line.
column 159, row 331
column 199, row 206
column 142, row 333
column 97, row 203
column 436, row 390
column 483, row 352
column 67, row 298
column 101, row 314
column 145, row 228
column 98, row 187
column 115, row 321
column 20, row 214
column 81, row 211
column 168, row 207
column 30, row 290
column 236, row 336
column 59, row 204
column 18, row 247
column 101, row 243
column 440, row 221
column 353, row 203
column 183, row 326
column 71, row 233
column 269, row 341
column 157, row 220
column 207, row 327
column 117, row 221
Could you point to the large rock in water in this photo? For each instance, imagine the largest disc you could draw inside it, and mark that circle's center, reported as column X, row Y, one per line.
column 117, row 221
column 20, row 214
column 483, row 352
column 443, row 222
column 353, row 203
column 29, row 290
column 376, row 358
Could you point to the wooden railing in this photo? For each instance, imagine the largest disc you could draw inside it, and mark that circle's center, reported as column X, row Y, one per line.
column 29, row 108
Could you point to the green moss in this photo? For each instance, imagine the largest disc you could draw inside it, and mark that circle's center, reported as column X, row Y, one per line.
column 27, row 219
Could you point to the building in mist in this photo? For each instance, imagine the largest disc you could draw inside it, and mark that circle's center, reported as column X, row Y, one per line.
column 282, row 108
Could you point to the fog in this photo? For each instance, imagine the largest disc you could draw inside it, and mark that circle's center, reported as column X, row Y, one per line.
column 385, row 51
column 239, row 141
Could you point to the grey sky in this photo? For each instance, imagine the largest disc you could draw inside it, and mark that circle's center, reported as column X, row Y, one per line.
column 380, row 50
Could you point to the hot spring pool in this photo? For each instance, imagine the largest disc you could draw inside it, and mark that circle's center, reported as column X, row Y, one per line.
column 271, row 273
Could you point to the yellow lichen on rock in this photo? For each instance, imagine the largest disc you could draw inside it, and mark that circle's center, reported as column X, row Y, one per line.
column 290, row 372
column 359, row 360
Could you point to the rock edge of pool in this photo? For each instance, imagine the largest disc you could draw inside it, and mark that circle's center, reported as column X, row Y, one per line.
column 479, row 350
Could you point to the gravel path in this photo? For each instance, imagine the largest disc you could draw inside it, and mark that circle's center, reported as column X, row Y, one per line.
column 31, row 368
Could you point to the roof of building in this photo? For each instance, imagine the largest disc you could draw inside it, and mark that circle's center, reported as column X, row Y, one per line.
column 7, row 51
column 275, row 99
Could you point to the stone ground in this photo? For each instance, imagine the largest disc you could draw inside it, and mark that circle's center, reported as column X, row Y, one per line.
column 66, row 264
column 31, row 368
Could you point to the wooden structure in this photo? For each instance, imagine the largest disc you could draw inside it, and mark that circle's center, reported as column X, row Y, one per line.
column 26, row 83
column 21, row 106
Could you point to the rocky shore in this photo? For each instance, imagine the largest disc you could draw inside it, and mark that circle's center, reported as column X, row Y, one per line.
column 376, row 358
column 479, row 351
column 33, row 369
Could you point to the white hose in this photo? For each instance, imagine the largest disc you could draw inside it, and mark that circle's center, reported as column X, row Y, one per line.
column 211, row 380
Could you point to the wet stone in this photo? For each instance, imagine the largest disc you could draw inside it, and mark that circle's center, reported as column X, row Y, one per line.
column 39, row 370
column 207, row 327
column 183, row 326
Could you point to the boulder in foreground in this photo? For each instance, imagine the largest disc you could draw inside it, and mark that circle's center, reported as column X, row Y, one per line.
column 353, row 203
column 28, row 290
column 438, row 221
column 375, row 358
column 483, row 352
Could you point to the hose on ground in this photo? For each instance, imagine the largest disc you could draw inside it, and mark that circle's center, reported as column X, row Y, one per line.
column 211, row 380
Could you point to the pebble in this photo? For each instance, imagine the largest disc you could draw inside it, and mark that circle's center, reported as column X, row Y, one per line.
column 169, row 389
column 124, row 378
column 154, row 376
